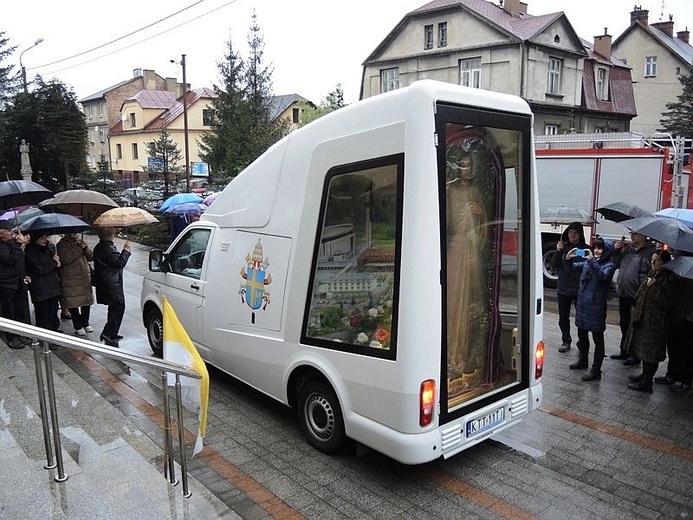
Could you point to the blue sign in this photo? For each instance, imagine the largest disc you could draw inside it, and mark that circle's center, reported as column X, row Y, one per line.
column 155, row 163
column 199, row 169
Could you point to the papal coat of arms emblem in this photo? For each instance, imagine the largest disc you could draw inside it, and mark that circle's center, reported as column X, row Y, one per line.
column 256, row 277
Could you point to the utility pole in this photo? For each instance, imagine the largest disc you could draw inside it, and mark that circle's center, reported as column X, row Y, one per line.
column 36, row 42
column 185, row 126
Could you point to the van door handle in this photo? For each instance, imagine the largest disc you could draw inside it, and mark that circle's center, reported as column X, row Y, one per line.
column 195, row 287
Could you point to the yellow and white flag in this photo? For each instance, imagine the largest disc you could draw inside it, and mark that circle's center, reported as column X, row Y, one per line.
column 179, row 348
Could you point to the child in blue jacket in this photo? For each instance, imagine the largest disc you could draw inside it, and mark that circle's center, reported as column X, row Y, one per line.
column 596, row 272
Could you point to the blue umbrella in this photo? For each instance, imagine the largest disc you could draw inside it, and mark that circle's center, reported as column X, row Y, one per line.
column 683, row 215
column 186, row 208
column 180, row 198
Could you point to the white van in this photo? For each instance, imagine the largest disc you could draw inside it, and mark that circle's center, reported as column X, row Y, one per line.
column 378, row 270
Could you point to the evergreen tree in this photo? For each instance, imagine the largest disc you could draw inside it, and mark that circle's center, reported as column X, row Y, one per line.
column 223, row 147
column 8, row 84
column 242, row 127
column 50, row 121
column 167, row 159
column 333, row 101
column 262, row 131
column 678, row 118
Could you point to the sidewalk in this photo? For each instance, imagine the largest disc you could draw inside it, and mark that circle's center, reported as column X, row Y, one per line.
column 114, row 468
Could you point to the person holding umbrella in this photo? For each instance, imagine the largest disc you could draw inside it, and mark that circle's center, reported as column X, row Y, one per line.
column 13, row 279
column 75, row 280
column 108, row 271
column 42, row 263
column 633, row 263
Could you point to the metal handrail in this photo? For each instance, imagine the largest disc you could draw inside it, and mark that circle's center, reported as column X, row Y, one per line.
column 48, row 337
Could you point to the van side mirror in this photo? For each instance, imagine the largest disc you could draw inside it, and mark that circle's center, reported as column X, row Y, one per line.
column 157, row 262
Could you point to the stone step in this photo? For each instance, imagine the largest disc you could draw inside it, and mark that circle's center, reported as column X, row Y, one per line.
column 113, row 467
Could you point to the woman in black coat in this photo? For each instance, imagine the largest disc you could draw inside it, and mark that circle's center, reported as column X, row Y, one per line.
column 42, row 265
column 108, row 274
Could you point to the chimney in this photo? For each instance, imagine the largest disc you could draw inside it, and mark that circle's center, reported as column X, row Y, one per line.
column 136, row 73
column 666, row 27
column 172, row 85
column 683, row 35
column 639, row 15
column 514, row 7
column 149, row 79
column 602, row 44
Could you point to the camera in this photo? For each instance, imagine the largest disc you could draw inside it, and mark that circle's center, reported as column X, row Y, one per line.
column 579, row 252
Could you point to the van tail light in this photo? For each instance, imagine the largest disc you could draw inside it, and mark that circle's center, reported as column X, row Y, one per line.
column 539, row 360
column 427, row 402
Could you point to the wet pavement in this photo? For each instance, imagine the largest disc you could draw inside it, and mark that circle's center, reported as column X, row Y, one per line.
column 596, row 450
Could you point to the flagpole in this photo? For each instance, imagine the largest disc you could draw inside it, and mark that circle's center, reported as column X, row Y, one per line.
column 168, row 440
column 181, row 439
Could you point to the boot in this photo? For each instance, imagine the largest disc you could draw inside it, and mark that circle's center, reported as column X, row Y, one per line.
column 595, row 374
column 641, row 386
column 582, row 362
column 636, row 378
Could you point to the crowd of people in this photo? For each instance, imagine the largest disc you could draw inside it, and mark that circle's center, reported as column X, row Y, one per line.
column 655, row 307
column 60, row 280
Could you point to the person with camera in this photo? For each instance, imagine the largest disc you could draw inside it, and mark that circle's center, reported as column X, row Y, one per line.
column 595, row 270
column 567, row 287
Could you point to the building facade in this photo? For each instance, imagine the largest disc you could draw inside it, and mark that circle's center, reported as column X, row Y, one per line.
column 142, row 118
column 480, row 44
column 658, row 59
column 102, row 109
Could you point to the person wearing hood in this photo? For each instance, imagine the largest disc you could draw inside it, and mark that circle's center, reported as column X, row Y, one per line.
column 567, row 287
column 633, row 264
column 595, row 270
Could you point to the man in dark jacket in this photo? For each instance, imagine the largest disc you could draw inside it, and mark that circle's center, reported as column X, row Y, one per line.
column 633, row 263
column 568, row 280
column 12, row 279
column 108, row 272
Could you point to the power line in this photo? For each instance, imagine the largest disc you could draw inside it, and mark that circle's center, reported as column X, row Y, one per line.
column 128, row 35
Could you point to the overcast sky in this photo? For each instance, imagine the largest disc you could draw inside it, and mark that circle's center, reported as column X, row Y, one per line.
column 312, row 44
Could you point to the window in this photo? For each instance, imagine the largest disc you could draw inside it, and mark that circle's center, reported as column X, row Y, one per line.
column 443, row 34
column 295, row 113
column 119, row 151
column 602, row 84
column 135, row 152
column 550, row 129
column 89, row 111
column 389, row 79
column 352, row 304
column 470, row 72
column 428, row 37
column 133, row 120
column 650, row 66
column 553, row 78
column 101, row 109
column 207, row 117
column 188, row 257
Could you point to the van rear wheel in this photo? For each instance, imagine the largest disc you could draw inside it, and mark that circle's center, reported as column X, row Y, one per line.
column 320, row 417
column 155, row 331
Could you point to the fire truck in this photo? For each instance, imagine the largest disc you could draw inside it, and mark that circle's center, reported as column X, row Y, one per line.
column 578, row 173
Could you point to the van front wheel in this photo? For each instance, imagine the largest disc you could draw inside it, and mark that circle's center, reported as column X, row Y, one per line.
column 320, row 417
column 155, row 331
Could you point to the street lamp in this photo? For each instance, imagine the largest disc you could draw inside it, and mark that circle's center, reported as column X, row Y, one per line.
column 185, row 124
column 39, row 40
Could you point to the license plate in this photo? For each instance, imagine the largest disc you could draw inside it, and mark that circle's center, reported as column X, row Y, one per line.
column 483, row 423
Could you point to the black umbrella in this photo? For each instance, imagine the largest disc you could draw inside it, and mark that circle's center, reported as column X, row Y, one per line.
column 682, row 266
column 665, row 230
column 22, row 193
column 54, row 224
column 620, row 211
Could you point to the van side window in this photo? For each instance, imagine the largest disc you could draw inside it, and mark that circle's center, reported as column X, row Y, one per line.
column 188, row 256
column 353, row 293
